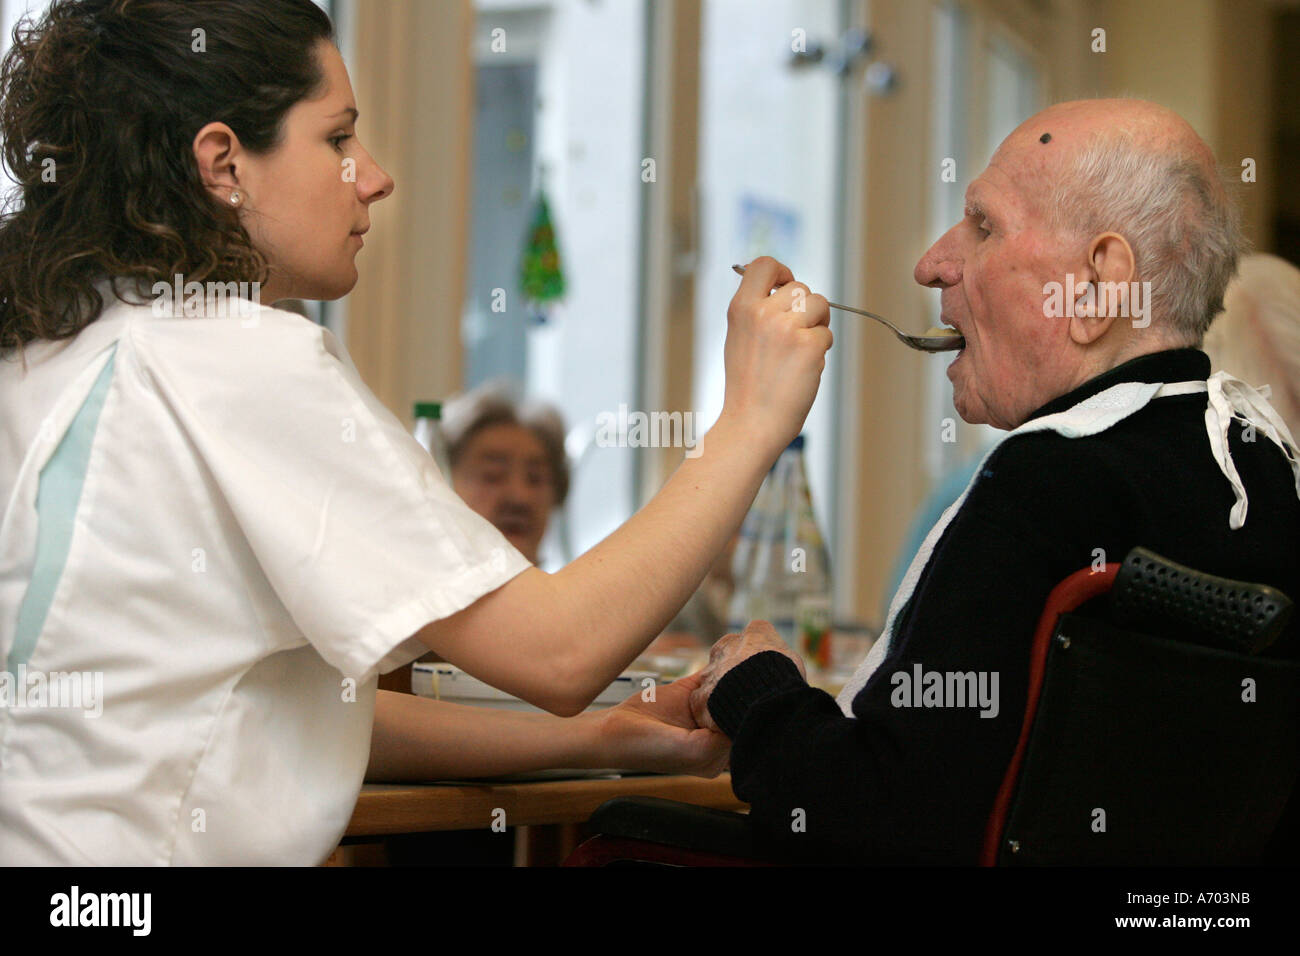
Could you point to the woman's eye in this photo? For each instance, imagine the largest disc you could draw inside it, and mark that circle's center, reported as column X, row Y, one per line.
column 338, row 140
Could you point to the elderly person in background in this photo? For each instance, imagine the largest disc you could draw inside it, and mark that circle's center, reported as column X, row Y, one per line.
column 507, row 462
column 1257, row 338
column 1119, row 437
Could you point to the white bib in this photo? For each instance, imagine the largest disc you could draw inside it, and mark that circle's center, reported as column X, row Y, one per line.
column 1228, row 398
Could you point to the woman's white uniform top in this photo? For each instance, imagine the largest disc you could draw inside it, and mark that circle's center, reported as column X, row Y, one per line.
column 218, row 523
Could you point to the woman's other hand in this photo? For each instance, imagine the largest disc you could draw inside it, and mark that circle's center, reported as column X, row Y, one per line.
column 653, row 730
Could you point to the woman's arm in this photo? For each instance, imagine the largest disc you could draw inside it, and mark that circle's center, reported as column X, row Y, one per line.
column 415, row 738
column 557, row 640
column 419, row 739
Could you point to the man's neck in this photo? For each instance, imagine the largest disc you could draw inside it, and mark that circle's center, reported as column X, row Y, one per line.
column 1134, row 343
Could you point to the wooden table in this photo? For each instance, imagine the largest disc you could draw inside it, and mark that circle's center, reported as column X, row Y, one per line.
column 391, row 809
column 384, row 809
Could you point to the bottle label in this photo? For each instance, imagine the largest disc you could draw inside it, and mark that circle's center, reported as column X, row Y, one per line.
column 813, row 621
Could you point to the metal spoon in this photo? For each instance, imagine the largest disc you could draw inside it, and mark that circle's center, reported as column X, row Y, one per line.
column 939, row 340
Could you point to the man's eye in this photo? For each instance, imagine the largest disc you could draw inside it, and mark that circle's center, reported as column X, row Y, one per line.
column 984, row 227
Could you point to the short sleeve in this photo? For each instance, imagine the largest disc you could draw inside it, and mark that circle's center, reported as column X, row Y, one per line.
column 360, row 537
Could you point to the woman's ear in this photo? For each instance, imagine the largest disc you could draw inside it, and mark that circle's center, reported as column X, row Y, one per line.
column 216, row 149
column 1111, row 267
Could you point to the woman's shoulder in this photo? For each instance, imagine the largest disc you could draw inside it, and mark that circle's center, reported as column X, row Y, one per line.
column 221, row 320
column 260, row 359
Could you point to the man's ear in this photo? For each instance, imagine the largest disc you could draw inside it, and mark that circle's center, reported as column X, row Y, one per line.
column 1111, row 267
column 216, row 151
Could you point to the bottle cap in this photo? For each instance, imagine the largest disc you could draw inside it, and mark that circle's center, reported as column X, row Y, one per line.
column 428, row 410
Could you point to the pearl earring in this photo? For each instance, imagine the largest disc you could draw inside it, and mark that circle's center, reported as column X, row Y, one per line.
column 234, row 198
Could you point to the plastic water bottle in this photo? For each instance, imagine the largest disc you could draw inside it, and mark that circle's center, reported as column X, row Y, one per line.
column 782, row 566
column 428, row 432
column 746, row 606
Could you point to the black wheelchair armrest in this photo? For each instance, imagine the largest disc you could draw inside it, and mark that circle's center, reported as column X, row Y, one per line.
column 682, row 825
column 1155, row 595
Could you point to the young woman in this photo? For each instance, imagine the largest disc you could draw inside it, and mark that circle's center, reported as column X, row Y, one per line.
column 211, row 514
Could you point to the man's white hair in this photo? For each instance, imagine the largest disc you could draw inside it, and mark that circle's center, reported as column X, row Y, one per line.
column 1184, row 229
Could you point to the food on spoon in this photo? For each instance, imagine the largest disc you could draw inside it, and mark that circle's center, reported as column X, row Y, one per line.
column 935, row 332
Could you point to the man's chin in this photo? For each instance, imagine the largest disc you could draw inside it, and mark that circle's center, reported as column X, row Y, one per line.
column 972, row 413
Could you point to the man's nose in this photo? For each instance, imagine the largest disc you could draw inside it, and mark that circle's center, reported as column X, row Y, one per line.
column 940, row 267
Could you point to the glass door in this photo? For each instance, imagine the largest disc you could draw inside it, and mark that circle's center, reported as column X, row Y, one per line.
column 770, row 183
column 559, row 90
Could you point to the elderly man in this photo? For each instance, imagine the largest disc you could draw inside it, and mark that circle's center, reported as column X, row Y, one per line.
column 1115, row 194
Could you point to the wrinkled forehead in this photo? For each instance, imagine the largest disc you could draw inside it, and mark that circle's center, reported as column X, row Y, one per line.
column 1028, row 164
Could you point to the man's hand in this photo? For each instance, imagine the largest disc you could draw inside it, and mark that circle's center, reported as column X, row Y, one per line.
column 659, row 734
column 731, row 650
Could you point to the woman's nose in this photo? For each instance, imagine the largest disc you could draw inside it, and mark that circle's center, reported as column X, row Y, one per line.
column 376, row 184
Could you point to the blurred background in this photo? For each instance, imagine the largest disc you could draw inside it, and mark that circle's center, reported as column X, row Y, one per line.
column 576, row 177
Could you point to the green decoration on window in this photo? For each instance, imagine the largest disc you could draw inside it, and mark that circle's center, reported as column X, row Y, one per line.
column 543, row 277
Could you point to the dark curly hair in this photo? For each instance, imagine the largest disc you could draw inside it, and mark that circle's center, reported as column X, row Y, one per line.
column 100, row 101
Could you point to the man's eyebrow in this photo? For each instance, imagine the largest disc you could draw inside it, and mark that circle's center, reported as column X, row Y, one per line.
column 973, row 208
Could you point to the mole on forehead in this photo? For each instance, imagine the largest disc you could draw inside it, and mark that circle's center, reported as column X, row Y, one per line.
column 1045, row 138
